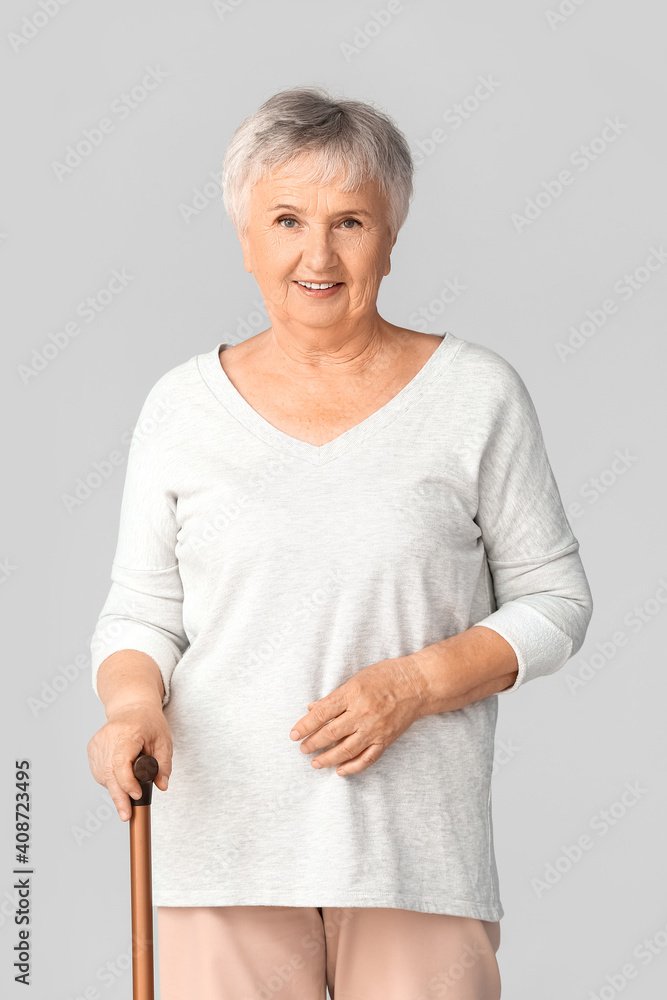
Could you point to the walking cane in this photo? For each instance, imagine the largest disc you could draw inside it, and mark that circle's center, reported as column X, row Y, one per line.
column 145, row 769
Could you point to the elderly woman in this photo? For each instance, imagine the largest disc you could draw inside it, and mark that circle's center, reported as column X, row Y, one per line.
column 340, row 540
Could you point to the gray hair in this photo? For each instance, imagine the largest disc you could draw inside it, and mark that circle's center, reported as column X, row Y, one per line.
column 350, row 138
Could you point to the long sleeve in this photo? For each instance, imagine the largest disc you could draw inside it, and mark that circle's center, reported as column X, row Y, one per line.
column 143, row 609
column 541, row 592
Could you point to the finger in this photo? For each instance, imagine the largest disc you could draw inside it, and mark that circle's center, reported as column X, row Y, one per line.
column 162, row 752
column 126, row 752
column 324, row 710
column 162, row 781
column 364, row 760
column 337, row 729
column 348, row 749
column 120, row 799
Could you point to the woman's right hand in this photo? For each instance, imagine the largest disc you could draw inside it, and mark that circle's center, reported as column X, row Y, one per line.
column 114, row 748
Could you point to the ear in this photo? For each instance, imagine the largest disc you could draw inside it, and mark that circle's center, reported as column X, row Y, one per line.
column 247, row 257
column 388, row 267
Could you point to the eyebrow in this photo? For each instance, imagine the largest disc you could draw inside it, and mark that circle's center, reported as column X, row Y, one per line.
column 351, row 211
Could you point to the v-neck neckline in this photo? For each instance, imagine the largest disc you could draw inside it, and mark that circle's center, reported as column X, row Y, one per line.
column 226, row 392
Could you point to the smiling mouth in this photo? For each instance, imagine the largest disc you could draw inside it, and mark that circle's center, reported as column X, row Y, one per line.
column 319, row 291
column 318, row 284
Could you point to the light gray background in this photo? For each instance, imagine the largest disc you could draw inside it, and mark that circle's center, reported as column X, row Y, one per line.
column 564, row 756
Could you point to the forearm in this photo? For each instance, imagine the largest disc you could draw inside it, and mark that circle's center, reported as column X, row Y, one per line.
column 129, row 677
column 464, row 668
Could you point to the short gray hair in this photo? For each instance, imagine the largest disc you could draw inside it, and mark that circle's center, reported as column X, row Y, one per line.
column 350, row 138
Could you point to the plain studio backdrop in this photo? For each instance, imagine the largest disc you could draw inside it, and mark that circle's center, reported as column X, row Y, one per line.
column 538, row 228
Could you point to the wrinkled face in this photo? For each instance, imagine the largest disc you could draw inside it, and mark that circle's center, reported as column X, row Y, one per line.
column 299, row 231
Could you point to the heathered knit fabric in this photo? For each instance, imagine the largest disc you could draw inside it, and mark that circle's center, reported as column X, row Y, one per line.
column 261, row 572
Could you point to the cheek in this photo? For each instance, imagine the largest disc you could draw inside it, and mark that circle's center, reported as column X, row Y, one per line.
column 274, row 251
column 367, row 260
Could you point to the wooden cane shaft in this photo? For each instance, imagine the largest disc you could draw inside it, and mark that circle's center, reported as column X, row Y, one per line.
column 142, row 903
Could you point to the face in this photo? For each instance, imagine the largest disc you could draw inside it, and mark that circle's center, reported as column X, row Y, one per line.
column 299, row 231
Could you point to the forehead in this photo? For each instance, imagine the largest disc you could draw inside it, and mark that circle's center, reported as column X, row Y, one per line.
column 289, row 188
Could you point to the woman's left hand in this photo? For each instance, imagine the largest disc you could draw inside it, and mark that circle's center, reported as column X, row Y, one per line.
column 366, row 713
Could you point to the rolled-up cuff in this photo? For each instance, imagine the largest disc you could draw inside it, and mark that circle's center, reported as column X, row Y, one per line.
column 541, row 647
column 119, row 634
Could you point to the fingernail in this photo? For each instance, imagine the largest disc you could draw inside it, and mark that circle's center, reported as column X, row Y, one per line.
column 123, row 815
column 294, row 735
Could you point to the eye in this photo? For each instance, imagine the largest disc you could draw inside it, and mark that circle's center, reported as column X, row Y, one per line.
column 290, row 218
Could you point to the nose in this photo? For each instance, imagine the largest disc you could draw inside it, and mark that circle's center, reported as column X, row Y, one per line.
column 318, row 251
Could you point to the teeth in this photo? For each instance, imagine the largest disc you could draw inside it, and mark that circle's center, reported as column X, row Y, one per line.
column 310, row 284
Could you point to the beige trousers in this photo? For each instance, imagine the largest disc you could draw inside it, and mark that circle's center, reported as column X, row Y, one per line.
column 296, row 953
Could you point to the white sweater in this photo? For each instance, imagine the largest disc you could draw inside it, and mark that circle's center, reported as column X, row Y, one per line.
column 261, row 572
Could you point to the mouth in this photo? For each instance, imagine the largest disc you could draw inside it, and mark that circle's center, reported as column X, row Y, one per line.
column 319, row 290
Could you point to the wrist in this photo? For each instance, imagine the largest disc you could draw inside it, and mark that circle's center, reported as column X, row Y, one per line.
column 429, row 673
column 466, row 667
column 148, row 704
